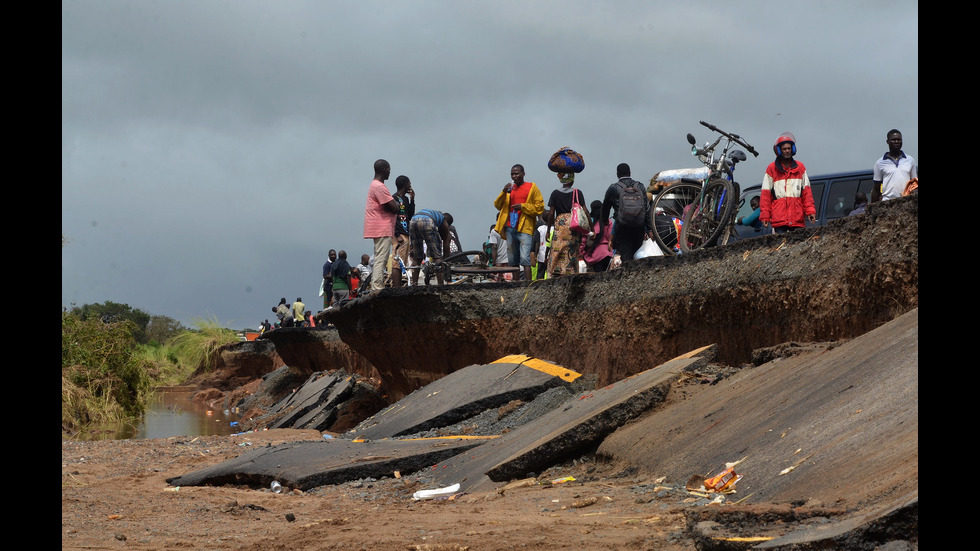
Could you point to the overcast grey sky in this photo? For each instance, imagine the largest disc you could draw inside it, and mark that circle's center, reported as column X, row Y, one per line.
column 214, row 151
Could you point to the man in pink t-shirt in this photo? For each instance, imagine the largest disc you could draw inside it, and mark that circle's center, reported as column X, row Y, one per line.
column 379, row 221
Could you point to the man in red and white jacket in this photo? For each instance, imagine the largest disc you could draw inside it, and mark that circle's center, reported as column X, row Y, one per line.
column 786, row 197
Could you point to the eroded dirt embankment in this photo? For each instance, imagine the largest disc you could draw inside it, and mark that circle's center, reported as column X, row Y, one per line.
column 818, row 284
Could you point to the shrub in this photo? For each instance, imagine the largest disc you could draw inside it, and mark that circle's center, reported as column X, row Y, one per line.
column 103, row 379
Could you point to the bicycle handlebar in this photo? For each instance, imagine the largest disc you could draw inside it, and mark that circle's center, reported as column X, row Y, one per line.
column 734, row 137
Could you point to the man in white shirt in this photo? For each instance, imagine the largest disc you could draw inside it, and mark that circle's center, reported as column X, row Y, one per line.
column 893, row 170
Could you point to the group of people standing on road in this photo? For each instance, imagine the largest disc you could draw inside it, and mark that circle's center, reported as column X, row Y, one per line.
column 543, row 242
column 403, row 236
column 290, row 315
column 787, row 201
column 527, row 230
column 526, row 227
column 539, row 240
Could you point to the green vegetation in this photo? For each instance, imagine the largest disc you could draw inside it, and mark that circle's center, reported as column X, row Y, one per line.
column 113, row 355
column 198, row 348
column 102, row 380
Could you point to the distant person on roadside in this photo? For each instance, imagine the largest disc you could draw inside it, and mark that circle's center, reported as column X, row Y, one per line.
column 355, row 282
column 309, row 319
column 632, row 223
column 596, row 249
column 363, row 270
column 379, row 221
column 565, row 243
column 753, row 218
column 298, row 312
column 860, row 203
column 284, row 313
column 786, row 200
column 893, row 170
column 499, row 246
column 341, row 278
column 541, row 247
column 405, row 197
column 518, row 205
column 327, row 282
column 429, row 233
column 454, row 245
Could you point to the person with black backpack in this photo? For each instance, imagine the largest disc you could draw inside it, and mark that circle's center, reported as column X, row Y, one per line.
column 632, row 222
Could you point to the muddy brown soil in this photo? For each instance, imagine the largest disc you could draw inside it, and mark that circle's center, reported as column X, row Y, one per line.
column 115, row 496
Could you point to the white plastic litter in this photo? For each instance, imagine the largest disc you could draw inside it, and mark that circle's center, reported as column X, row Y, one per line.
column 432, row 494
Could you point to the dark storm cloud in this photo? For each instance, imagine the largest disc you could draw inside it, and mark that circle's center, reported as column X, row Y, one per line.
column 213, row 151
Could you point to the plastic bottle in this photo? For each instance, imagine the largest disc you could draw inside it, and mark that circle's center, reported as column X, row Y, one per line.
column 276, row 487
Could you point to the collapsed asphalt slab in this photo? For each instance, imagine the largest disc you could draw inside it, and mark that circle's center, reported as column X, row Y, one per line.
column 837, row 428
column 317, row 397
column 464, row 393
column 306, row 465
column 367, row 451
column 579, row 421
column 573, row 428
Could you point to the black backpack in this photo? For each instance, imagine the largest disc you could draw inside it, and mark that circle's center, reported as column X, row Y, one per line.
column 632, row 205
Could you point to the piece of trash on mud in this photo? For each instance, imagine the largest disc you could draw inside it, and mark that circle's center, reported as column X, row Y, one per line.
column 115, row 517
column 327, row 437
column 563, row 480
column 584, row 502
column 794, row 465
column 718, row 500
column 438, row 492
column 724, row 481
column 438, row 547
column 276, row 487
column 744, row 539
column 522, row 483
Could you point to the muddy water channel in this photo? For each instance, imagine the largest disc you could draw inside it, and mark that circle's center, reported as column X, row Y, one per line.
column 172, row 412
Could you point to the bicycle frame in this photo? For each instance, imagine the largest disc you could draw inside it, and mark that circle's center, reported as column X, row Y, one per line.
column 721, row 166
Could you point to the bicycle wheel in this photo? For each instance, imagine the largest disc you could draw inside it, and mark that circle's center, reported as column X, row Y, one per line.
column 668, row 212
column 704, row 222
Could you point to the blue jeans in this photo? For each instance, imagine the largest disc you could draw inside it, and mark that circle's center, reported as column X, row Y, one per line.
column 518, row 247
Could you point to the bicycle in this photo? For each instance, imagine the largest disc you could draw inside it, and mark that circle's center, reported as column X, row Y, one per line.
column 699, row 208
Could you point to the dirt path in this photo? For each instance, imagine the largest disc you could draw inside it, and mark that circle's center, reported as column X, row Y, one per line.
column 115, row 495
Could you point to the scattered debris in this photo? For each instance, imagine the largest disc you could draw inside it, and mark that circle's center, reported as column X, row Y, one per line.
column 439, row 492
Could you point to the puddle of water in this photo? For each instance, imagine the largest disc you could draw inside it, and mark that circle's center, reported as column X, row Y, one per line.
column 173, row 413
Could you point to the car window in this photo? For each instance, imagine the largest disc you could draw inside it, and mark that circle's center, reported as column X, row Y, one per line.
column 840, row 201
column 866, row 185
column 817, row 189
column 746, row 208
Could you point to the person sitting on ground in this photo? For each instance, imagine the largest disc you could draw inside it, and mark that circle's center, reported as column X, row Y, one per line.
column 752, row 219
column 860, row 203
column 429, row 229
